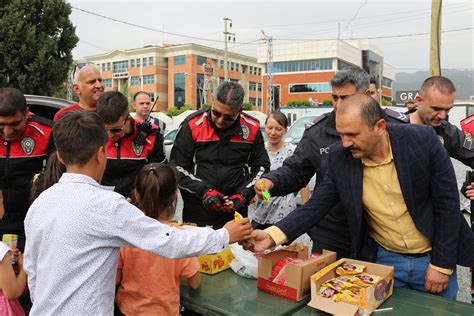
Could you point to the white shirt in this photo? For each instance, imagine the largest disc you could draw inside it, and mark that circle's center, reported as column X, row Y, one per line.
column 74, row 231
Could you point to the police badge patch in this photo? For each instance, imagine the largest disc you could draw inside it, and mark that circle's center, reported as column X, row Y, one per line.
column 245, row 131
column 468, row 143
column 28, row 144
column 137, row 149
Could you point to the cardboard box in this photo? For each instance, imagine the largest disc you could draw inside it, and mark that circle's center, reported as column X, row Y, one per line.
column 212, row 264
column 297, row 284
column 371, row 297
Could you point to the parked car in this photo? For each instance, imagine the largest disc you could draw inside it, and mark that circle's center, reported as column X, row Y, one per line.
column 45, row 106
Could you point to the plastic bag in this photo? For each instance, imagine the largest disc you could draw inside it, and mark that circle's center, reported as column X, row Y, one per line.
column 245, row 263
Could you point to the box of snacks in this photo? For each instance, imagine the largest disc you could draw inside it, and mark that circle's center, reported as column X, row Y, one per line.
column 351, row 287
column 286, row 272
column 211, row 264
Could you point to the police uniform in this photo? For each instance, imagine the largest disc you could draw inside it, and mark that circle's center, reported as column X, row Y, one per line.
column 20, row 160
column 310, row 157
column 228, row 161
column 458, row 144
column 125, row 158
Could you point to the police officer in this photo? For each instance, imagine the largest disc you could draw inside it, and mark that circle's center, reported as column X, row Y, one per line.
column 213, row 151
column 26, row 141
column 311, row 155
column 142, row 105
column 126, row 156
column 433, row 102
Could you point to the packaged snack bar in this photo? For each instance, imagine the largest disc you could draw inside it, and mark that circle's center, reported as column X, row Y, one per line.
column 265, row 194
column 279, row 271
column 238, row 217
column 349, row 269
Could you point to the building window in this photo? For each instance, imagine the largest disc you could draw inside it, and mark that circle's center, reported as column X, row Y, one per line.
column 150, row 61
column 221, row 80
column 134, row 80
column 302, row 65
column 121, row 66
column 231, row 65
column 109, row 66
column 253, row 86
column 259, row 71
column 179, row 60
column 233, row 80
column 221, row 63
column 201, row 60
column 145, row 62
column 179, row 90
column 236, row 67
column 132, row 63
column 149, row 79
column 138, row 62
column 259, row 102
column 199, row 90
column 152, row 96
column 253, row 101
column 310, row 87
column 387, row 82
column 102, row 67
column 107, row 83
column 259, row 87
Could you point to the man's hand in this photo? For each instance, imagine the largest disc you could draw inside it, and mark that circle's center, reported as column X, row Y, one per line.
column 261, row 241
column 238, row 231
column 468, row 191
column 435, row 281
column 263, row 184
column 238, row 201
column 213, row 200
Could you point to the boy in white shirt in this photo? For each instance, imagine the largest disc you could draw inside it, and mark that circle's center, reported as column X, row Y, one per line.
column 75, row 229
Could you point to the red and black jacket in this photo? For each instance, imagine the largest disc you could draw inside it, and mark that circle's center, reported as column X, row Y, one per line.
column 20, row 160
column 125, row 159
column 228, row 160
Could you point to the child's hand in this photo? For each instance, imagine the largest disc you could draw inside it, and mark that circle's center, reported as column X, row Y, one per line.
column 18, row 266
column 238, row 231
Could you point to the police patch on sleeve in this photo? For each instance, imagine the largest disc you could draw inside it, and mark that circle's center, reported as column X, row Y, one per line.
column 245, row 131
column 468, row 141
column 28, row 145
column 137, row 149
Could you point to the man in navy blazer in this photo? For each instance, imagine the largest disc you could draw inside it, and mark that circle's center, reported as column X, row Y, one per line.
column 398, row 188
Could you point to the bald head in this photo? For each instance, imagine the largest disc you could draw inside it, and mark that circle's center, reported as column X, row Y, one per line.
column 363, row 106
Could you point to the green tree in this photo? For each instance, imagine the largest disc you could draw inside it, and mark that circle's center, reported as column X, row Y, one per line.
column 327, row 103
column 247, row 106
column 36, row 40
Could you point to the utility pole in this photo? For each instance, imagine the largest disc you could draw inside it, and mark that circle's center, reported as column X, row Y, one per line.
column 270, row 96
column 435, row 37
column 69, row 86
column 227, row 37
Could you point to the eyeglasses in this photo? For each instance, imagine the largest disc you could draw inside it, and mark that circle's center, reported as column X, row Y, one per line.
column 80, row 66
column 117, row 129
column 336, row 97
column 228, row 118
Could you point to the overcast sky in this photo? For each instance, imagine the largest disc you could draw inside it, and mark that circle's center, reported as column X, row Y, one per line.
column 283, row 20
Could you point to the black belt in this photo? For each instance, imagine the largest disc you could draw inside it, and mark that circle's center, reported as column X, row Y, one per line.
column 415, row 255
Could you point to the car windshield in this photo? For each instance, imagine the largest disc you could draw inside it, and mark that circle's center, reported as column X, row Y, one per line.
column 295, row 133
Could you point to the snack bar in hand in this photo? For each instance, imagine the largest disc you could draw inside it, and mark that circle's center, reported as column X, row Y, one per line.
column 238, row 217
column 265, row 194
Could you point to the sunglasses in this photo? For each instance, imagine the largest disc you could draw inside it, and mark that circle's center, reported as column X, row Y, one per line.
column 117, row 129
column 336, row 97
column 80, row 66
column 228, row 118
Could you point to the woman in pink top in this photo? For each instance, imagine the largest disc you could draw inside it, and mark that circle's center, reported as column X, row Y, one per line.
column 149, row 284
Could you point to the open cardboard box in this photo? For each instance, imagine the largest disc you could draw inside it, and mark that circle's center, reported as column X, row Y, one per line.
column 297, row 284
column 212, row 264
column 371, row 297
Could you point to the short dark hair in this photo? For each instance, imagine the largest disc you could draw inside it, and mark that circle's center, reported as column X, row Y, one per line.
column 12, row 101
column 279, row 117
column 351, row 75
column 138, row 93
column 78, row 136
column 440, row 83
column 111, row 106
column 370, row 110
column 372, row 80
column 157, row 185
column 231, row 94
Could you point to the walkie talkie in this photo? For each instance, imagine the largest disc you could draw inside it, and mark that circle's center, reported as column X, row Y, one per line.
column 144, row 128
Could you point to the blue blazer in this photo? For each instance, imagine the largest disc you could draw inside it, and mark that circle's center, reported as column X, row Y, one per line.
column 428, row 185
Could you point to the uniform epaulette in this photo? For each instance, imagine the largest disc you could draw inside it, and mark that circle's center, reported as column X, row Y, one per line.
column 41, row 120
column 399, row 116
column 249, row 119
column 317, row 119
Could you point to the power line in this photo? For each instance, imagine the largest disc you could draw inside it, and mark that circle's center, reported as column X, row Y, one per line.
column 148, row 28
column 369, row 37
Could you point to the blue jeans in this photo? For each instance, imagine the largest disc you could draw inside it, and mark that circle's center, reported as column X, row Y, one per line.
column 410, row 272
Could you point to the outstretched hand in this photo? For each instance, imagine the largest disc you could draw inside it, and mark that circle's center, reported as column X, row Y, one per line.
column 239, row 231
column 261, row 241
